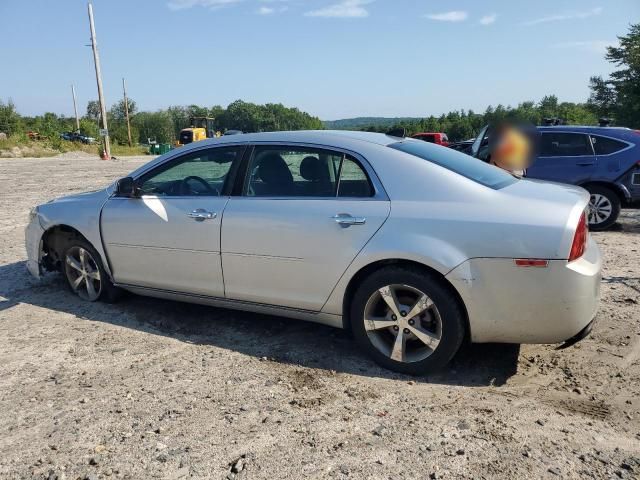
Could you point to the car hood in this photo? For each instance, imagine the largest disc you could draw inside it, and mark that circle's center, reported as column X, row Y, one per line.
column 84, row 196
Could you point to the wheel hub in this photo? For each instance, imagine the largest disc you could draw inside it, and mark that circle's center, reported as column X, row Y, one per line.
column 403, row 323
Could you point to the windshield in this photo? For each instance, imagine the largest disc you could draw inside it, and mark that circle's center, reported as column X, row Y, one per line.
column 465, row 165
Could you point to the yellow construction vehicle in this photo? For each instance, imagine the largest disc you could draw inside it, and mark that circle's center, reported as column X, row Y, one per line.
column 201, row 128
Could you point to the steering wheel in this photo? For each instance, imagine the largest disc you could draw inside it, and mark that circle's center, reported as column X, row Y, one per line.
column 187, row 190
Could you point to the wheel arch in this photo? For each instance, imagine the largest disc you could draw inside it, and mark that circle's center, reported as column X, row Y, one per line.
column 54, row 239
column 605, row 184
column 370, row 268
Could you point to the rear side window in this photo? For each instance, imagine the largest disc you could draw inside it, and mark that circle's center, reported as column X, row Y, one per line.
column 353, row 180
column 291, row 171
column 465, row 165
column 565, row 145
column 606, row 145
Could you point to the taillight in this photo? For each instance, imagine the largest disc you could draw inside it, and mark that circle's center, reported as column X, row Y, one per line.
column 579, row 239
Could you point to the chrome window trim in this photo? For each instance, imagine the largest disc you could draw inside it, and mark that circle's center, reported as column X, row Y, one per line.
column 379, row 192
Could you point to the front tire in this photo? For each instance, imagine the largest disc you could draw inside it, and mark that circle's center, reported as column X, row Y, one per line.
column 604, row 208
column 85, row 274
column 407, row 320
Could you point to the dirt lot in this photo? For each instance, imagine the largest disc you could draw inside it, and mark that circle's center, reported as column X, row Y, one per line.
column 156, row 389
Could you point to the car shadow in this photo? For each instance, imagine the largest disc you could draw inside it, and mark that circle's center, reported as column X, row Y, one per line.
column 278, row 339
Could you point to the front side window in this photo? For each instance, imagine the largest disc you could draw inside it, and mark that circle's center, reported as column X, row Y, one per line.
column 565, row 145
column 288, row 171
column 606, row 145
column 202, row 173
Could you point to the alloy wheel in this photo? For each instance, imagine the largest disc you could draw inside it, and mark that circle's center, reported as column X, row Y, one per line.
column 83, row 273
column 402, row 323
column 600, row 209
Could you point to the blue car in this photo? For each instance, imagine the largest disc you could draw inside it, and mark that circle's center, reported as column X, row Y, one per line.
column 603, row 160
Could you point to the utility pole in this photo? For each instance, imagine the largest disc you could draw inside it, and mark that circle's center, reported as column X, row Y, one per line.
column 75, row 108
column 96, row 60
column 126, row 110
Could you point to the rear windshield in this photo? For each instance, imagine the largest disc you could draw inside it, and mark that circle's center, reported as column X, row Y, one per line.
column 465, row 165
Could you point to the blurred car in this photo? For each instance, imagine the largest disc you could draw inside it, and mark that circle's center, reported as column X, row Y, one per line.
column 437, row 138
column 463, row 146
column 337, row 228
column 77, row 137
column 603, row 160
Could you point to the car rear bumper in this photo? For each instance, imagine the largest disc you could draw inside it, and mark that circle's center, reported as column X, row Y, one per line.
column 512, row 304
column 33, row 243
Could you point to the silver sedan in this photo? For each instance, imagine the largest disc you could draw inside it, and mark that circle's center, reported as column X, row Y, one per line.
column 414, row 247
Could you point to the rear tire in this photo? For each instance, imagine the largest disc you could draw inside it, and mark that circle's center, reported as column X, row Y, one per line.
column 407, row 320
column 604, row 207
column 85, row 275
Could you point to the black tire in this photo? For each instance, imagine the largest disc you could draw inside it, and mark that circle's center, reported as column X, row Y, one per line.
column 611, row 199
column 449, row 310
column 108, row 292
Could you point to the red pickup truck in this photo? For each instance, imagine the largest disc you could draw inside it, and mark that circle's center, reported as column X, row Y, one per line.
column 437, row 138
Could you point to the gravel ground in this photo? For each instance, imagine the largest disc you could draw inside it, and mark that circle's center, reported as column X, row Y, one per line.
column 156, row 389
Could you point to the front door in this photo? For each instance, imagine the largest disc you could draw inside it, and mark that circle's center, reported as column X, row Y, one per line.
column 168, row 236
column 304, row 215
column 564, row 157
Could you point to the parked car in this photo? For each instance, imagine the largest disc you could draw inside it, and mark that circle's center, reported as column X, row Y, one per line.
column 77, row 137
column 437, row 138
column 463, row 146
column 603, row 160
column 414, row 247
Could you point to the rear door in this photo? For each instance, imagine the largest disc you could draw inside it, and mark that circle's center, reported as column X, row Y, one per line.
column 565, row 157
column 303, row 215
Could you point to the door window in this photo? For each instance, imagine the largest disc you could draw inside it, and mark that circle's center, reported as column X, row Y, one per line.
column 283, row 171
column 202, row 173
column 606, row 145
column 565, row 145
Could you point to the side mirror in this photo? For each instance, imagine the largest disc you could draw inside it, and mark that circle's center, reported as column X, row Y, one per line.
column 126, row 187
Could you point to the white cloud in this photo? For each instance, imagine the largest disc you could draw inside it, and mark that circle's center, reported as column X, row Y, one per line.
column 488, row 19
column 343, row 9
column 453, row 16
column 566, row 16
column 264, row 10
column 594, row 46
column 212, row 4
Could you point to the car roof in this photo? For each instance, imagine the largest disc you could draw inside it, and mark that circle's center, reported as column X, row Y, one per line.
column 584, row 129
column 337, row 138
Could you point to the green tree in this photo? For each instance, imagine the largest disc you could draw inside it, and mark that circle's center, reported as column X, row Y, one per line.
column 93, row 110
column 626, row 80
column 10, row 121
column 602, row 100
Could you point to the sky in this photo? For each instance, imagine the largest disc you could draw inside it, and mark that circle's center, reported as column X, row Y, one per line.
column 332, row 58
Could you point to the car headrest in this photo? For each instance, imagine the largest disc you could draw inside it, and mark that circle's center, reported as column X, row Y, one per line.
column 313, row 169
column 273, row 169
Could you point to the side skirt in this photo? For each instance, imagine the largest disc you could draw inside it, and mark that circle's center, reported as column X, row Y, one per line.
column 307, row 315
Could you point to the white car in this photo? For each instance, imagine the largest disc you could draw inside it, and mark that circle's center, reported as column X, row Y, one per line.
column 414, row 247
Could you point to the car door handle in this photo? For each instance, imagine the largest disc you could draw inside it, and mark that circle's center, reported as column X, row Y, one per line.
column 345, row 220
column 201, row 215
column 585, row 164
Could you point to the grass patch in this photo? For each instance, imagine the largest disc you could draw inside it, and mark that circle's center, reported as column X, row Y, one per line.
column 126, row 150
column 17, row 146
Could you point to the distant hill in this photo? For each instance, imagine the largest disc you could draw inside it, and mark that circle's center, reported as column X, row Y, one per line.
column 360, row 122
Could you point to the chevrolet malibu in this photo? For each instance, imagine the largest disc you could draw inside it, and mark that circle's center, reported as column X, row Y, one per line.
column 414, row 247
